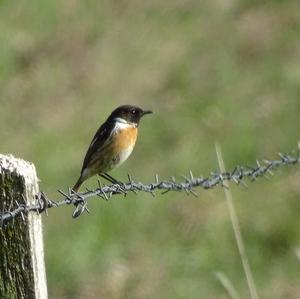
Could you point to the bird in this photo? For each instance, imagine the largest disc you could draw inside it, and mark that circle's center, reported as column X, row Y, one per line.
column 112, row 144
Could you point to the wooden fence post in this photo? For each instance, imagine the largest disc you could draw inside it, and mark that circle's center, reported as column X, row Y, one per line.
column 22, row 266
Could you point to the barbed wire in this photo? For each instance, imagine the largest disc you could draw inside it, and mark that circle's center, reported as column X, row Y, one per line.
column 189, row 183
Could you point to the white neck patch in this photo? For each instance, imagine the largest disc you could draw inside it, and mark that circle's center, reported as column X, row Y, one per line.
column 123, row 124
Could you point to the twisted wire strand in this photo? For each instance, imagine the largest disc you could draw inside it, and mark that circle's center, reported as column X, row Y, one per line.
column 189, row 183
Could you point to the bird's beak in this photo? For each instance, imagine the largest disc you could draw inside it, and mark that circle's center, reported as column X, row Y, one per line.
column 146, row 112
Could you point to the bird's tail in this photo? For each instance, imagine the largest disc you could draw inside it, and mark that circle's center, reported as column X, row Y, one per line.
column 77, row 185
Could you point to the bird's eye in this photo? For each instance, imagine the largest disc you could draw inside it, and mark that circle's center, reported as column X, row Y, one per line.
column 133, row 111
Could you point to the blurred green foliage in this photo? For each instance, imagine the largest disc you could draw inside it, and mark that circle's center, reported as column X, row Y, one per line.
column 217, row 70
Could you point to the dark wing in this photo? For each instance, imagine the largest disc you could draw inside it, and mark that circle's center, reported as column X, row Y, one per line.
column 98, row 141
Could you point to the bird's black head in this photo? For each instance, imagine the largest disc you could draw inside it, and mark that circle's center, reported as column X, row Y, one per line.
column 131, row 114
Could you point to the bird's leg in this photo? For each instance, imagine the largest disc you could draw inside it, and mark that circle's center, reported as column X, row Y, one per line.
column 113, row 181
column 109, row 178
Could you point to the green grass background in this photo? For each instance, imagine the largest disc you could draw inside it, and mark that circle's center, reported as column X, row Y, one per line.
column 214, row 70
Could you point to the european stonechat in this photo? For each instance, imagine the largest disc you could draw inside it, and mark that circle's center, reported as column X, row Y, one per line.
column 112, row 143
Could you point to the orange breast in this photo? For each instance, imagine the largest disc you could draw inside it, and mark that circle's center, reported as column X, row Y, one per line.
column 124, row 139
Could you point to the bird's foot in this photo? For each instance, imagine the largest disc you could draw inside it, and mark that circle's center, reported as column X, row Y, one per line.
column 121, row 185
